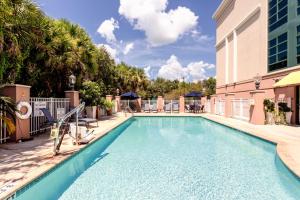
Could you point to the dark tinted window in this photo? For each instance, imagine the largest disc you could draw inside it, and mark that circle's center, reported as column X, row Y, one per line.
column 278, row 48
column 282, row 47
column 282, row 38
column 272, row 51
column 282, row 4
column 272, row 43
column 282, row 56
column 278, row 14
column 272, row 3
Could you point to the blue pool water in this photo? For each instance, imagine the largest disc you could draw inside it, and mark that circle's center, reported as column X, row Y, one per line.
column 170, row 158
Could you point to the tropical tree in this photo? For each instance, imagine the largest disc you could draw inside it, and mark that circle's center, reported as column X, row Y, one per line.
column 210, row 86
column 8, row 107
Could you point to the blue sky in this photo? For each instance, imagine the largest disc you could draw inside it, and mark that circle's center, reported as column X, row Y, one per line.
column 168, row 38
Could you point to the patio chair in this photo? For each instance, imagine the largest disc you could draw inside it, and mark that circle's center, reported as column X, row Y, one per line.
column 192, row 108
column 49, row 119
column 175, row 107
column 86, row 121
column 202, row 108
column 168, row 107
column 187, row 108
column 147, row 108
column 197, row 108
column 154, row 108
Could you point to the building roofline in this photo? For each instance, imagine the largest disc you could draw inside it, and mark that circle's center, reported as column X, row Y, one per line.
column 222, row 7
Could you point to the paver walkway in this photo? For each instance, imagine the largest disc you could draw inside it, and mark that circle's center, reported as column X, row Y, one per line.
column 23, row 162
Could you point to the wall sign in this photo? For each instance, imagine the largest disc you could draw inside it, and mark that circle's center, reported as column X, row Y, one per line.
column 37, row 106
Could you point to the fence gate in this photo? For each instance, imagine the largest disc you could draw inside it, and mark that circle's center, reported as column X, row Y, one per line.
column 241, row 109
column 57, row 107
column 220, row 107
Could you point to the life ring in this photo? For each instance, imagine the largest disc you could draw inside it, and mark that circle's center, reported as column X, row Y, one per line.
column 28, row 107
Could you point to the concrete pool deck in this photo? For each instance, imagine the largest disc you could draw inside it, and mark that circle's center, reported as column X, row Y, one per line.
column 23, row 162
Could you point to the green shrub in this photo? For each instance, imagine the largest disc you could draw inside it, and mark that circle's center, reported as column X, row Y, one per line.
column 108, row 105
column 91, row 93
column 282, row 107
column 269, row 105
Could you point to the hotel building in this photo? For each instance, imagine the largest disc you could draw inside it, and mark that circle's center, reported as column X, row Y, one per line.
column 257, row 40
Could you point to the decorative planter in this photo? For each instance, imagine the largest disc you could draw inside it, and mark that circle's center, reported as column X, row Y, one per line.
column 288, row 117
column 109, row 112
column 91, row 111
column 270, row 118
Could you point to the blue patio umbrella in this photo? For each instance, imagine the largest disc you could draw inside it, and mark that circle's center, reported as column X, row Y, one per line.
column 129, row 96
column 194, row 94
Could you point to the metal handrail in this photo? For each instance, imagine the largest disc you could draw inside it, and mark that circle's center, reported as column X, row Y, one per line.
column 66, row 117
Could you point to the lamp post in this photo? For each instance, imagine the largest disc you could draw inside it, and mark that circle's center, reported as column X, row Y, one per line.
column 118, row 91
column 72, row 81
column 257, row 81
column 204, row 91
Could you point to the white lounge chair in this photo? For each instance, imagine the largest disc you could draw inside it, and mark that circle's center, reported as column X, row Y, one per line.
column 168, row 107
column 147, row 108
column 154, row 108
column 84, row 135
column 175, row 107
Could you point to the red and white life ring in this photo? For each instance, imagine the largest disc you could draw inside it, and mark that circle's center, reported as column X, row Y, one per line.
column 28, row 107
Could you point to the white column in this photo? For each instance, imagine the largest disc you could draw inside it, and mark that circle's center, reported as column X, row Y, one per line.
column 235, row 54
column 226, row 61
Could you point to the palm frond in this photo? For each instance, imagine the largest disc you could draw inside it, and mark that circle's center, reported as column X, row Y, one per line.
column 10, row 125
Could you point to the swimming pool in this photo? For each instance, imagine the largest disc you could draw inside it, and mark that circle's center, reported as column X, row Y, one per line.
column 169, row 158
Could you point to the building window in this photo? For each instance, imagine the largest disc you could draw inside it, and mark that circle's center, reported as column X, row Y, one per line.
column 278, row 13
column 278, row 48
column 298, row 43
column 298, row 9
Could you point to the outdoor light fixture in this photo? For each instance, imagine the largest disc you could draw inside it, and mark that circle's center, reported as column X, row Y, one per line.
column 257, row 81
column 204, row 90
column 72, row 81
column 118, row 91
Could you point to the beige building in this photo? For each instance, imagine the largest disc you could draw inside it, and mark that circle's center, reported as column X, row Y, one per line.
column 256, row 40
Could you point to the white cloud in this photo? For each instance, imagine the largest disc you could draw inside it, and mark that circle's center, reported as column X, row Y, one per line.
column 107, row 28
column 161, row 27
column 128, row 48
column 113, row 52
column 173, row 70
column 147, row 71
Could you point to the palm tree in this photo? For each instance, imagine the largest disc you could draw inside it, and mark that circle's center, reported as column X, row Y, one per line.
column 8, row 107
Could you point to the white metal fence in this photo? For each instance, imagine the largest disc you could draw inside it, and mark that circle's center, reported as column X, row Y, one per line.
column 241, row 109
column 56, row 106
column 171, row 106
column 132, row 104
column 220, row 107
column 149, row 105
column 3, row 132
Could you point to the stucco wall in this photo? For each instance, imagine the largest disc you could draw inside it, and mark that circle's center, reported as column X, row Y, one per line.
column 220, row 71
column 249, row 20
